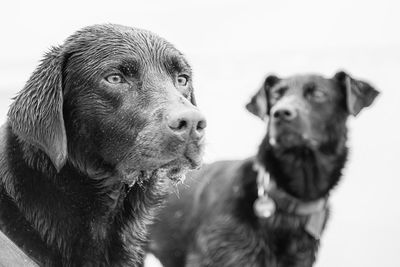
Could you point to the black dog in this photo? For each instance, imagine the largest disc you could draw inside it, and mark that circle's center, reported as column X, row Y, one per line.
column 88, row 144
column 234, row 215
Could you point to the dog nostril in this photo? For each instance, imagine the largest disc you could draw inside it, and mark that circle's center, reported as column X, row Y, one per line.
column 179, row 124
column 182, row 125
column 201, row 125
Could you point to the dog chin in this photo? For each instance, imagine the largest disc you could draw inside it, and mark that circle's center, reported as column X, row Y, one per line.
column 177, row 169
column 175, row 173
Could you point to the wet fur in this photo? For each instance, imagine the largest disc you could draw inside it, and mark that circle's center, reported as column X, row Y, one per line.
column 69, row 141
column 213, row 223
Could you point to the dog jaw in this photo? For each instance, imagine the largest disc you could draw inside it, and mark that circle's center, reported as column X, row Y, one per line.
column 175, row 171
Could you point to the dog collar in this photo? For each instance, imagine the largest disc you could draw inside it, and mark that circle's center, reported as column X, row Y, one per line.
column 270, row 198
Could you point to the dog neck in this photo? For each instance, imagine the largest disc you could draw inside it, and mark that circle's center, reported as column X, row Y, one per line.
column 272, row 199
column 301, row 180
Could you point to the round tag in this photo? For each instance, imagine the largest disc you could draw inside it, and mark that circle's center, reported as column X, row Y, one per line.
column 264, row 207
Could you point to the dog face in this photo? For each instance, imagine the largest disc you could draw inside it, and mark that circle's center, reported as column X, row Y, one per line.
column 306, row 110
column 120, row 97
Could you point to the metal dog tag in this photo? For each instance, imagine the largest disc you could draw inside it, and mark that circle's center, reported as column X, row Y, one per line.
column 264, row 207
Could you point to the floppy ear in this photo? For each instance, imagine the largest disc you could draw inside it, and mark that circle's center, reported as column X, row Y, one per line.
column 36, row 114
column 259, row 104
column 359, row 94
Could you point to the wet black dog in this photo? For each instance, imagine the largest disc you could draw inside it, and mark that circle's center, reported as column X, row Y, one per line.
column 269, row 210
column 88, row 143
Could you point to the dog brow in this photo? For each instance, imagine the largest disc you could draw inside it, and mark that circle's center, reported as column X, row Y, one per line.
column 176, row 64
column 128, row 66
column 309, row 86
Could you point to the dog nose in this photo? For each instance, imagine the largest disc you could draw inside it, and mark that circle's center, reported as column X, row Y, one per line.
column 189, row 122
column 286, row 114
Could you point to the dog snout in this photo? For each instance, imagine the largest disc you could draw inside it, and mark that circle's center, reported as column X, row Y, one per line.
column 285, row 113
column 187, row 123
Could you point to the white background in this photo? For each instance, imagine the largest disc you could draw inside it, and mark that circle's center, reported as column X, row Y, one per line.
column 232, row 45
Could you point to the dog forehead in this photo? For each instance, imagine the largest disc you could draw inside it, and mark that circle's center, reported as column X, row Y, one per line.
column 111, row 41
column 298, row 82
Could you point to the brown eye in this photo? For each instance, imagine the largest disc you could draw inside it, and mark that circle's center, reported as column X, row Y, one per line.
column 182, row 80
column 115, row 79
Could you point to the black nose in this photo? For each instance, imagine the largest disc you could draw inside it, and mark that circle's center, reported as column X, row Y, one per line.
column 286, row 114
column 188, row 123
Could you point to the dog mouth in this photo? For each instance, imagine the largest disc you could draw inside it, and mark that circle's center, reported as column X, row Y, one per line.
column 289, row 139
column 174, row 170
column 162, row 164
column 177, row 169
column 173, row 173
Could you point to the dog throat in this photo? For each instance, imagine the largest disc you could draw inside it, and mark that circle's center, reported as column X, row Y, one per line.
column 270, row 198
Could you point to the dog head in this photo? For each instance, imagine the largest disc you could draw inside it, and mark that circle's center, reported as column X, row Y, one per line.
column 302, row 110
column 112, row 97
column 306, row 118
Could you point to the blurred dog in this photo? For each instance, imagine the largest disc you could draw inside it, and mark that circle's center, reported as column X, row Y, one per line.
column 272, row 209
column 88, row 141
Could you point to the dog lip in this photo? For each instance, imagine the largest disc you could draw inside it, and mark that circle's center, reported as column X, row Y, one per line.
column 171, row 170
column 174, row 167
column 194, row 163
column 290, row 137
column 286, row 139
column 312, row 141
column 174, row 171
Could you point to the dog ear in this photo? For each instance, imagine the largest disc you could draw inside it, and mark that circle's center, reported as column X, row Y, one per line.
column 359, row 94
column 36, row 115
column 259, row 104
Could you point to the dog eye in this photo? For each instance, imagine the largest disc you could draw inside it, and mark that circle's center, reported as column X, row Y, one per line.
column 115, row 79
column 182, row 80
column 277, row 93
column 318, row 95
